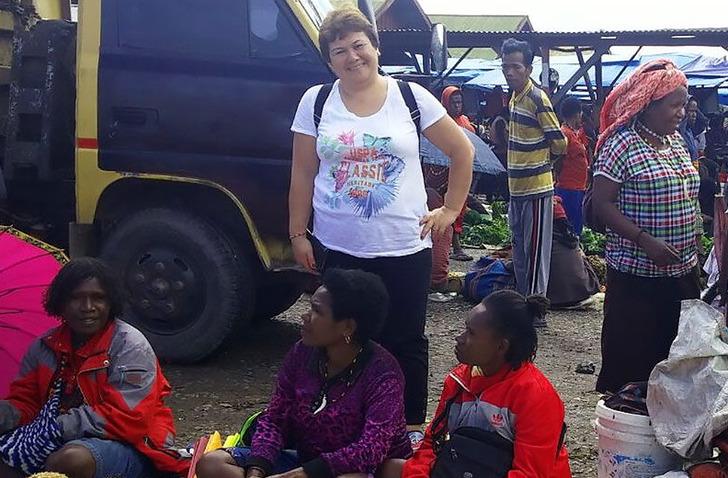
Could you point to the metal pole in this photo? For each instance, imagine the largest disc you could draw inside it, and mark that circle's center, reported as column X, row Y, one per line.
column 598, row 52
column 457, row 63
column 600, row 82
column 621, row 72
column 587, row 78
column 545, row 60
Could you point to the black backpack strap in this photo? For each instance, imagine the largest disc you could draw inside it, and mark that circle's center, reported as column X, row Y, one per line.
column 562, row 439
column 318, row 106
column 439, row 427
column 409, row 100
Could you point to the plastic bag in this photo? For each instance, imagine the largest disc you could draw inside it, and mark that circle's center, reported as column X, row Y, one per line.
column 687, row 395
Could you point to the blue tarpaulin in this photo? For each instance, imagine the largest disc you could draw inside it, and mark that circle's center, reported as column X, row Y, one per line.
column 702, row 72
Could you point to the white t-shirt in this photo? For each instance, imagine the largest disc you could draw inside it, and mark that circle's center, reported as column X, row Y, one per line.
column 369, row 194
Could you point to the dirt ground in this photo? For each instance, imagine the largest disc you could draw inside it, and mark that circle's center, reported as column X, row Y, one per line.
column 220, row 392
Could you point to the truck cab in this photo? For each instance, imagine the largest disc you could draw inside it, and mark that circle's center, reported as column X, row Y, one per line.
column 184, row 161
column 177, row 166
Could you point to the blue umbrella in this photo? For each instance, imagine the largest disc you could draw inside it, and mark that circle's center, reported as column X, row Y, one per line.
column 485, row 160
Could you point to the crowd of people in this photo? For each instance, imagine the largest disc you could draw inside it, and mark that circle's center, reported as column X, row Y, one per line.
column 350, row 398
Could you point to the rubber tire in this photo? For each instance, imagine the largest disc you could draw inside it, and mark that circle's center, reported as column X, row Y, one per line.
column 229, row 287
column 272, row 299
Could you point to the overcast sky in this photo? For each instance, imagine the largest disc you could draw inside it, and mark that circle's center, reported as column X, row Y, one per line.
column 570, row 15
column 574, row 15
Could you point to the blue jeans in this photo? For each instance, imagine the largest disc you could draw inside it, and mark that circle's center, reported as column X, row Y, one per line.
column 572, row 201
column 287, row 460
column 115, row 459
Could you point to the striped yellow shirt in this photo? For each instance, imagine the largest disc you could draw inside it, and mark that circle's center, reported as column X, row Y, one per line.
column 534, row 135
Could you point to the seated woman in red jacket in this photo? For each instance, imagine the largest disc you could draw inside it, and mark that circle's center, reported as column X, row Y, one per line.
column 89, row 400
column 499, row 388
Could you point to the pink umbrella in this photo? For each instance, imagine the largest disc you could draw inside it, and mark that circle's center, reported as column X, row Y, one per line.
column 27, row 267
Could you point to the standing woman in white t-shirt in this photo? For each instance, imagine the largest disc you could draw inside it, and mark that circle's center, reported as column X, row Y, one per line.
column 360, row 173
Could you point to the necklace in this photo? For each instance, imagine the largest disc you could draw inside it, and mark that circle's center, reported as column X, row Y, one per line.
column 662, row 139
column 347, row 376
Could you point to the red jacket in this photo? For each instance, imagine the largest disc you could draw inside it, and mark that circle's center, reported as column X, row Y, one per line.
column 122, row 386
column 520, row 405
column 575, row 169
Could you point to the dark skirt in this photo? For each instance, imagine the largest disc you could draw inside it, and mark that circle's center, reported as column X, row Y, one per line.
column 641, row 316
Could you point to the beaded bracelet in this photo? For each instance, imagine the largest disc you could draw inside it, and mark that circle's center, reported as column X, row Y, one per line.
column 298, row 234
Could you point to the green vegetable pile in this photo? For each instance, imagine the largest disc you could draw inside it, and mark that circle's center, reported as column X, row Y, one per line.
column 592, row 242
column 707, row 244
column 481, row 230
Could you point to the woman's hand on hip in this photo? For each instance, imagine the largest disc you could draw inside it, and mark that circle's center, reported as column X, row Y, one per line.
column 303, row 253
column 660, row 252
column 437, row 221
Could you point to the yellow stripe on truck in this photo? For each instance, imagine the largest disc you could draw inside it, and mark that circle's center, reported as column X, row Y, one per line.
column 90, row 180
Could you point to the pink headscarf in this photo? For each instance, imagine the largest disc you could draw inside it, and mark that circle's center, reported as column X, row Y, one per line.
column 650, row 82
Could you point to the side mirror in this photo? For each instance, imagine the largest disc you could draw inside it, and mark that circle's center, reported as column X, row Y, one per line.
column 366, row 7
column 438, row 48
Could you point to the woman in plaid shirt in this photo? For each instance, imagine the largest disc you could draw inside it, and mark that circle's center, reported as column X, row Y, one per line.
column 645, row 191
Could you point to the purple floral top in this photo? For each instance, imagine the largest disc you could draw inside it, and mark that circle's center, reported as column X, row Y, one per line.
column 360, row 427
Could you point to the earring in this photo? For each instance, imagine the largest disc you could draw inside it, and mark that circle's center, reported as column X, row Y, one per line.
column 347, row 339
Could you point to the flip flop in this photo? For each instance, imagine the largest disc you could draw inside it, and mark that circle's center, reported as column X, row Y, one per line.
column 461, row 256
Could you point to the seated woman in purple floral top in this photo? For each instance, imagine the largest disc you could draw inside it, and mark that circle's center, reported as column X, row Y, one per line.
column 339, row 397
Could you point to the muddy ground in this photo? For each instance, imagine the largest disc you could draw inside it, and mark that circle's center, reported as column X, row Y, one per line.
column 219, row 393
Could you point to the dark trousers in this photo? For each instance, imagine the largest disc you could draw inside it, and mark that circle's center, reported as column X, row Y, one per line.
column 407, row 280
column 641, row 316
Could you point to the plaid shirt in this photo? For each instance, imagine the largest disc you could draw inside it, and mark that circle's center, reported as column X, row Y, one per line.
column 658, row 192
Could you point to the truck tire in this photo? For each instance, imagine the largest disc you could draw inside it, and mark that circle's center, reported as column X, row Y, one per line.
column 186, row 286
column 272, row 299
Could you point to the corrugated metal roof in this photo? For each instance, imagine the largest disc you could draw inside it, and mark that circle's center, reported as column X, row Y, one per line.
column 477, row 23
column 604, row 38
column 675, row 31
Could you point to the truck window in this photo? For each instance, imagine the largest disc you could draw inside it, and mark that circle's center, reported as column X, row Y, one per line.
column 214, row 27
column 272, row 35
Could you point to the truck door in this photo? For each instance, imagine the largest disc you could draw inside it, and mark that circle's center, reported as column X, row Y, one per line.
column 205, row 90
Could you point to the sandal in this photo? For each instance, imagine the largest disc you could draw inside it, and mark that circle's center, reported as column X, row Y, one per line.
column 460, row 256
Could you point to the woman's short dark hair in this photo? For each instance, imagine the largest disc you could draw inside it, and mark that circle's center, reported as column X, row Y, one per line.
column 513, row 317
column 512, row 45
column 339, row 23
column 360, row 296
column 570, row 107
column 74, row 274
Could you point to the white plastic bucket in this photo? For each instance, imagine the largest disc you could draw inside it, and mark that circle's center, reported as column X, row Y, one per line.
column 628, row 448
column 624, row 422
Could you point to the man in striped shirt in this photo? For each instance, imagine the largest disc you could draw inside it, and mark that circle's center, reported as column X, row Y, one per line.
column 535, row 141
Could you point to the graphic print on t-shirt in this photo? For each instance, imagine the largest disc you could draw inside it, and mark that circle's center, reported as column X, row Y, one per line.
column 364, row 176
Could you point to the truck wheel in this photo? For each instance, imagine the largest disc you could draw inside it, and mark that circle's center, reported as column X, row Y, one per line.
column 272, row 299
column 186, row 287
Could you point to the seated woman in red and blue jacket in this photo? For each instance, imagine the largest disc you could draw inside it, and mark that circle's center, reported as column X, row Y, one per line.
column 89, row 400
column 497, row 387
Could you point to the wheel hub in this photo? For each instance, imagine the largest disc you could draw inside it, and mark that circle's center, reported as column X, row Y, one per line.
column 166, row 288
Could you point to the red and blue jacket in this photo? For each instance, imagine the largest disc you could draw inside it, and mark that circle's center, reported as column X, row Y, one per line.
column 121, row 383
column 520, row 405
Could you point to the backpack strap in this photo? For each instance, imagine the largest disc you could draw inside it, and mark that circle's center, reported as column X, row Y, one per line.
column 562, row 439
column 404, row 88
column 409, row 100
column 439, row 427
column 318, row 106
